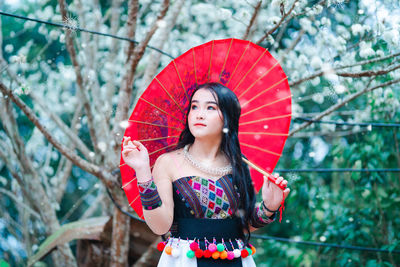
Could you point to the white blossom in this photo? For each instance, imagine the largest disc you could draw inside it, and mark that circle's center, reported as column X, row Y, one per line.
column 62, row 38
column 318, row 98
column 3, row 180
column 326, row 21
column 316, row 81
column 340, row 89
column 277, row 3
column 54, row 34
column 306, row 25
column 342, row 31
column 318, row 9
column 357, row 29
column 9, row 48
column 366, row 50
column 379, row 53
column 392, row 37
column 102, row 146
column 18, row 59
column 224, row 13
column 274, row 19
column 316, row 62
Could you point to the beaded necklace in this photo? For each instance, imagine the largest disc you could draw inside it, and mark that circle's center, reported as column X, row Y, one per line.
column 221, row 171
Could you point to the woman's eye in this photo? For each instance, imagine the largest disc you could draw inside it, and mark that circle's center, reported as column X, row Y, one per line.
column 211, row 108
column 194, row 106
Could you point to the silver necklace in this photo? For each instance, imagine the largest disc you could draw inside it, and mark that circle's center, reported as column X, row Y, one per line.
column 221, row 171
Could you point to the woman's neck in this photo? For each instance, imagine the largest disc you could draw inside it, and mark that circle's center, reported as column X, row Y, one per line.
column 207, row 151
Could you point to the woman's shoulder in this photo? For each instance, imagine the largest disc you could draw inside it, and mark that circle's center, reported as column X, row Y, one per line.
column 169, row 160
column 170, row 156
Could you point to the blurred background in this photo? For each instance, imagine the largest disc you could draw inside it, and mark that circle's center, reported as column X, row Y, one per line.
column 66, row 95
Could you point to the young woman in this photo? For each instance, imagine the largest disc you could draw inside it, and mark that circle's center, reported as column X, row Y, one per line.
column 202, row 191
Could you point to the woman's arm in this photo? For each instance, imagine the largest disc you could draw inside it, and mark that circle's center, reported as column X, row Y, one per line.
column 160, row 219
column 272, row 197
column 155, row 193
column 260, row 217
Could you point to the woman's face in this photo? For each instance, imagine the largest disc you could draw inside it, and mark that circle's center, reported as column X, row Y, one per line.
column 205, row 119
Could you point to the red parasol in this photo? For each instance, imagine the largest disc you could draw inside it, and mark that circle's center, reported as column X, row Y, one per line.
column 249, row 71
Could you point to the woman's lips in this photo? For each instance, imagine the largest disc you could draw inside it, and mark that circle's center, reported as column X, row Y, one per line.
column 199, row 124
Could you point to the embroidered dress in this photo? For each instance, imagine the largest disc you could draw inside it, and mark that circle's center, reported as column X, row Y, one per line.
column 203, row 209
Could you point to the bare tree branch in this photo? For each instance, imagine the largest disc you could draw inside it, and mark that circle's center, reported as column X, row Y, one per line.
column 328, row 134
column 98, row 100
column 19, row 202
column 83, row 229
column 66, row 170
column 94, row 205
column 77, row 204
column 125, row 93
column 293, row 45
column 120, row 240
column 66, row 173
column 284, row 16
column 112, row 55
column 131, row 26
column 82, row 163
column 78, row 143
column 79, row 78
column 342, row 103
column 369, row 61
column 10, row 221
column 119, row 244
column 347, row 74
column 367, row 73
column 31, row 182
column 8, row 156
column 252, row 20
column 160, row 40
column 280, row 34
column 18, row 146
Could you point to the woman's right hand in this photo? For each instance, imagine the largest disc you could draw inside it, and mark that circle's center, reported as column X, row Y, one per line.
column 135, row 154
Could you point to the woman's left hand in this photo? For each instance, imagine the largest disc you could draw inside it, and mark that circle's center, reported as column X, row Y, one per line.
column 272, row 193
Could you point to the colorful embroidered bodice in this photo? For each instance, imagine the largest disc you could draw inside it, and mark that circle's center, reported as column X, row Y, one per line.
column 202, row 198
column 211, row 195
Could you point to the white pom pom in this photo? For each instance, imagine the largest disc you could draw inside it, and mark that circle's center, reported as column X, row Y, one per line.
column 237, row 253
column 175, row 252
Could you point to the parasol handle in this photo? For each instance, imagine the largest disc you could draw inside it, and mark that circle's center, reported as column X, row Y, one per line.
column 266, row 174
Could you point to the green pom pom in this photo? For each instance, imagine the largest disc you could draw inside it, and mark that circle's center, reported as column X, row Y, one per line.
column 220, row 247
column 249, row 250
column 190, row 254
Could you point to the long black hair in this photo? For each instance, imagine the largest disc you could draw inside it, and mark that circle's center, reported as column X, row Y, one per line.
column 230, row 108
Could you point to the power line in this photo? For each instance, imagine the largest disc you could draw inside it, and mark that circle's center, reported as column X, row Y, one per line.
column 363, row 124
column 281, row 239
column 332, row 245
column 265, row 237
column 371, row 124
column 60, row 25
column 336, row 170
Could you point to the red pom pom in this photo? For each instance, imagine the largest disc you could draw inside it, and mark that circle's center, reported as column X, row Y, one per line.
column 194, row 246
column 199, row 253
column 160, row 246
column 207, row 254
column 244, row 253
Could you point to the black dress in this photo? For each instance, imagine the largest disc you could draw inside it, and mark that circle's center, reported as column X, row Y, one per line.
column 204, row 210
